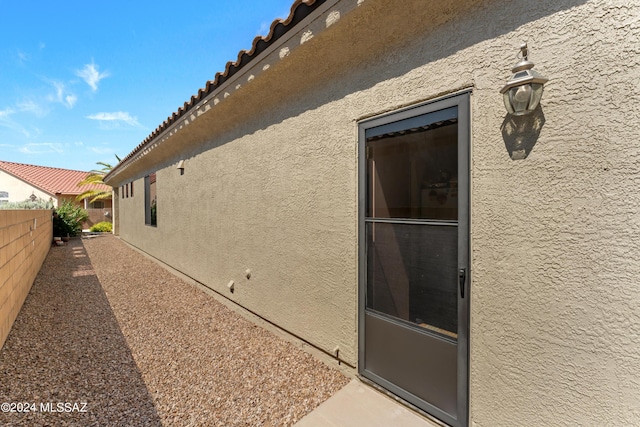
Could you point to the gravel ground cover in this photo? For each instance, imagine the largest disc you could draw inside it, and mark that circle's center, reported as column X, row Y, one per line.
column 105, row 326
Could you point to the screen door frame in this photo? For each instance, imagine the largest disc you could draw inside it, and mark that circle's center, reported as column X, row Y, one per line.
column 461, row 100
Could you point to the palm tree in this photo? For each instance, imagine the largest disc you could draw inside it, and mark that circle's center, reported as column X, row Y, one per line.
column 96, row 177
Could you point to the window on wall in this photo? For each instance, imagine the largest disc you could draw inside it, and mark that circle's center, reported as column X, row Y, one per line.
column 98, row 204
column 127, row 190
column 150, row 200
column 131, row 184
column 122, row 191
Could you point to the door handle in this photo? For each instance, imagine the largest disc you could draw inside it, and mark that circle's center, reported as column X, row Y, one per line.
column 462, row 277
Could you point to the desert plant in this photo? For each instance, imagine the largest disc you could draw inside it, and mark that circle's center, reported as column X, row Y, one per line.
column 102, row 227
column 154, row 212
column 68, row 219
column 95, row 177
column 28, row 204
column 60, row 228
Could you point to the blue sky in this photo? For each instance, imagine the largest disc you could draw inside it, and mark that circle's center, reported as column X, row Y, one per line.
column 81, row 81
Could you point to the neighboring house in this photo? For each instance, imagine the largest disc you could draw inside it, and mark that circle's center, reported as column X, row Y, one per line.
column 19, row 182
column 360, row 163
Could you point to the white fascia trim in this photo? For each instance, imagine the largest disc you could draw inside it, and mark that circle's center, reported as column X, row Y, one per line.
column 204, row 105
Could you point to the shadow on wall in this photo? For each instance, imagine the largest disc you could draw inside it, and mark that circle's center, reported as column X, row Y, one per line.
column 520, row 133
column 277, row 100
column 66, row 346
column 96, row 216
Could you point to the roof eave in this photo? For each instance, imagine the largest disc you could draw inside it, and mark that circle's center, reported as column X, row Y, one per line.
column 301, row 12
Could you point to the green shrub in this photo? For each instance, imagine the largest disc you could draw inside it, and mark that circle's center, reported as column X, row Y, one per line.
column 68, row 219
column 28, row 204
column 102, row 227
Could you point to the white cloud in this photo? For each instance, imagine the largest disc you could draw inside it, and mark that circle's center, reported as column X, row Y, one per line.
column 41, row 106
column 265, row 26
column 115, row 118
column 31, row 106
column 41, row 148
column 91, row 75
column 7, row 122
column 6, row 112
column 70, row 100
column 23, row 57
column 264, row 29
column 102, row 150
column 62, row 96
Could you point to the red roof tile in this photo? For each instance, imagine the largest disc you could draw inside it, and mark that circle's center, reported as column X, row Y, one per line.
column 51, row 180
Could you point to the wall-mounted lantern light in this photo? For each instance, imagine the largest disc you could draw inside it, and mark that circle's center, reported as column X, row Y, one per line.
column 181, row 167
column 523, row 91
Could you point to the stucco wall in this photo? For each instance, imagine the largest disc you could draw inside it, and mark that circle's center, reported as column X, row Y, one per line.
column 555, row 317
column 270, row 185
column 19, row 190
column 25, row 239
column 96, row 216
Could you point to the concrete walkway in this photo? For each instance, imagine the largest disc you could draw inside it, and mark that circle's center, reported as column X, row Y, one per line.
column 358, row 405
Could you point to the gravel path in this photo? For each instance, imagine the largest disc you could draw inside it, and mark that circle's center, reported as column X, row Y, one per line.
column 106, row 326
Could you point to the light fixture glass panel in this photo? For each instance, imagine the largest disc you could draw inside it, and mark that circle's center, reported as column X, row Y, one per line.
column 506, row 97
column 536, row 95
column 520, row 97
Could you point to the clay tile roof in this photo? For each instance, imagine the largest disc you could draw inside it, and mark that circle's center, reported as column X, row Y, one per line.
column 299, row 10
column 51, row 180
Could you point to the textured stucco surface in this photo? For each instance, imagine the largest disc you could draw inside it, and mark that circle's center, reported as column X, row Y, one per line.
column 19, row 190
column 555, row 314
column 270, row 185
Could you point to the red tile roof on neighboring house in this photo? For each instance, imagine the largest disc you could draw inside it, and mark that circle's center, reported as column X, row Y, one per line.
column 52, row 180
column 299, row 10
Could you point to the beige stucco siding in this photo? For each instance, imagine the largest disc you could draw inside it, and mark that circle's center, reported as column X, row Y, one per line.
column 554, row 315
column 19, row 190
column 263, row 203
column 270, row 185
